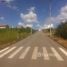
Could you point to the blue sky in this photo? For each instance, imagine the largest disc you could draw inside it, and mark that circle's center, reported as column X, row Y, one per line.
column 10, row 10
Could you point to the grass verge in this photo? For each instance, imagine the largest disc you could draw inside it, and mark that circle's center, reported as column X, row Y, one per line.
column 10, row 36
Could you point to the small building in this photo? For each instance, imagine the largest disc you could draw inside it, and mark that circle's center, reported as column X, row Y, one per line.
column 3, row 26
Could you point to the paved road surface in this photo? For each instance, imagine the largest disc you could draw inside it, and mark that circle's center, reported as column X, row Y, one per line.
column 37, row 50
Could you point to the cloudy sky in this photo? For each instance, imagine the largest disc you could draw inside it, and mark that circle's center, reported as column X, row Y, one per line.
column 32, row 12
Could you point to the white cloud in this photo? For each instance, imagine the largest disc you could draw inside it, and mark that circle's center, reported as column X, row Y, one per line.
column 13, row 7
column 50, row 20
column 2, row 18
column 47, row 26
column 20, row 24
column 30, row 17
column 29, row 25
column 38, row 25
column 63, row 14
column 61, row 17
column 10, row 5
column 31, row 9
column 8, row 1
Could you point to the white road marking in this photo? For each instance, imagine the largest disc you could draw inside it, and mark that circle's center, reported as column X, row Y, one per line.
column 15, row 52
column 35, row 53
column 56, row 54
column 4, row 49
column 63, row 51
column 39, row 54
column 6, row 52
column 45, row 54
column 24, row 53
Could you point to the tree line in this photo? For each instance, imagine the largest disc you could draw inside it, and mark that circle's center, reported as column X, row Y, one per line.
column 61, row 30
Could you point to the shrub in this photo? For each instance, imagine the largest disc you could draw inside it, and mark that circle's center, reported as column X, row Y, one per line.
column 62, row 30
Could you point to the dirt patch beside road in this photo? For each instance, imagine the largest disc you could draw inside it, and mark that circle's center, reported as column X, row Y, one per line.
column 61, row 41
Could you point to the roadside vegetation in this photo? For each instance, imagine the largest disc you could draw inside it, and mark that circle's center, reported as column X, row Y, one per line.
column 61, row 30
column 59, row 34
column 11, row 35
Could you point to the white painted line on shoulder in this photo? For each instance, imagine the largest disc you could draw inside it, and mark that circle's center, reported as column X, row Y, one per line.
column 4, row 49
column 63, row 51
column 15, row 52
column 45, row 54
column 24, row 53
column 8, row 51
column 56, row 54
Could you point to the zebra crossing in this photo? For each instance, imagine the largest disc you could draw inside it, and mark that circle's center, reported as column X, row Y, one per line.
column 11, row 52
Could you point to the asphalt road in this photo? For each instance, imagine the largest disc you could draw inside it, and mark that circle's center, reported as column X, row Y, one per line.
column 38, row 50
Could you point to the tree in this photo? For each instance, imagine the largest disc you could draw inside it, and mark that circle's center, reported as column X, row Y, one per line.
column 62, row 30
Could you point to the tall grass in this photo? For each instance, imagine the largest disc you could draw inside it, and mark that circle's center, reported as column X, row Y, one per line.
column 10, row 35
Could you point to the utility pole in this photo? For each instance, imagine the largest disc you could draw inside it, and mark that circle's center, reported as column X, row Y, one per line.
column 50, row 17
column 31, row 30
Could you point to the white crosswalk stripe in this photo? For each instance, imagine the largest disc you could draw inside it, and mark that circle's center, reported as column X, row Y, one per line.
column 45, row 54
column 5, row 53
column 56, row 54
column 24, row 53
column 35, row 53
column 4, row 49
column 63, row 51
column 15, row 52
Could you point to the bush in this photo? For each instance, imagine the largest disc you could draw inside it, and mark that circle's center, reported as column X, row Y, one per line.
column 62, row 30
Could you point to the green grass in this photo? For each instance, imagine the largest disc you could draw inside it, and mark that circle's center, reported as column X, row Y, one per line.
column 12, row 35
